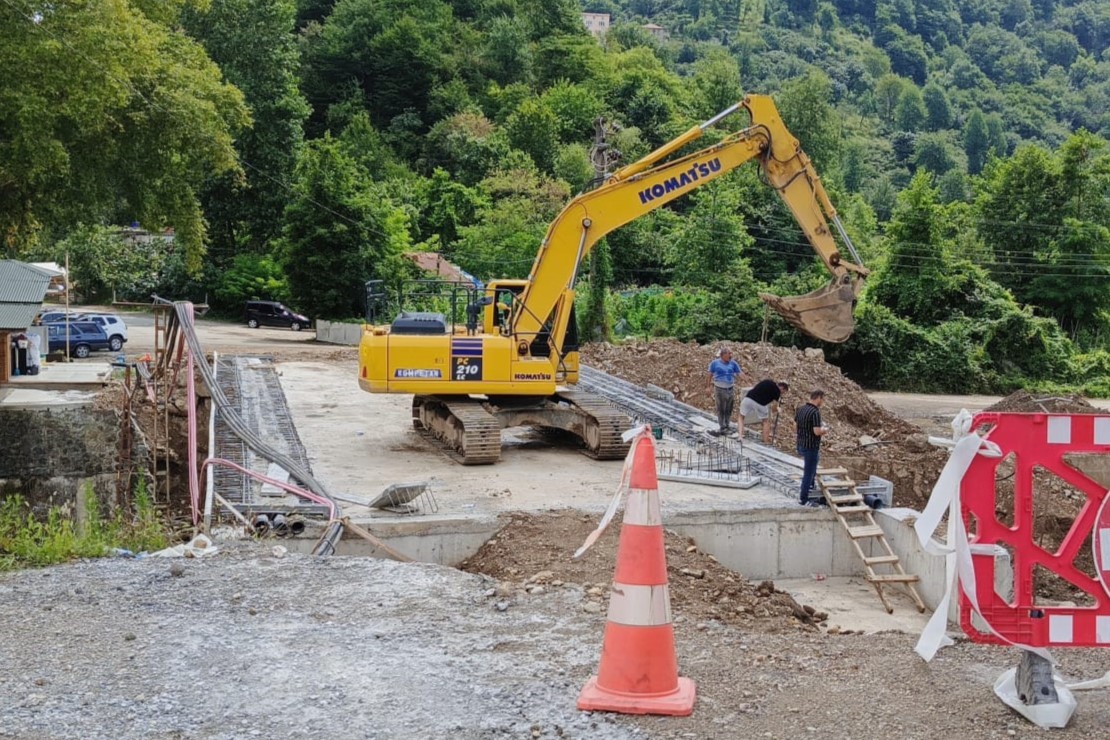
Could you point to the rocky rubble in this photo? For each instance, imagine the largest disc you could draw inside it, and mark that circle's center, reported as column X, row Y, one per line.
column 531, row 555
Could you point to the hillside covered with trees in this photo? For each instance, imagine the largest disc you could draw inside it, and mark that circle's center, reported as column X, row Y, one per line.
column 298, row 148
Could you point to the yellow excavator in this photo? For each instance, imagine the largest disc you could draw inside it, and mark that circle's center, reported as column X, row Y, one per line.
column 510, row 362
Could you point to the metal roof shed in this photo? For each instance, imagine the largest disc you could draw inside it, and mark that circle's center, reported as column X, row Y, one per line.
column 22, row 288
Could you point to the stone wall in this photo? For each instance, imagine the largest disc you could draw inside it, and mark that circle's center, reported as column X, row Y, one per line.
column 49, row 456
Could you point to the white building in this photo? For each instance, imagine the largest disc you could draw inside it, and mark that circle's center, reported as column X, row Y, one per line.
column 596, row 23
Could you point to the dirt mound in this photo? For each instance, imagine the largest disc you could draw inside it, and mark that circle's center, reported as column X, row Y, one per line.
column 1025, row 402
column 902, row 454
column 535, row 551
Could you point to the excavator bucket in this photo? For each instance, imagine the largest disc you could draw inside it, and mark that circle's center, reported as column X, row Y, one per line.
column 825, row 314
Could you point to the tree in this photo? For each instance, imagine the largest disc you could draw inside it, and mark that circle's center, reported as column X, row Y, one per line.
column 907, row 55
column 253, row 42
column 976, row 141
column 934, row 152
column 533, row 129
column 339, row 232
column 103, row 263
column 575, row 107
column 107, row 115
column 888, row 91
column 507, row 55
column 910, row 113
column 717, row 81
column 921, row 281
column 937, row 107
column 710, row 241
column 467, row 145
column 804, row 105
column 392, row 51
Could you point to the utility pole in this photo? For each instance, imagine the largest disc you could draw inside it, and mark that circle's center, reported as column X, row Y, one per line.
column 603, row 157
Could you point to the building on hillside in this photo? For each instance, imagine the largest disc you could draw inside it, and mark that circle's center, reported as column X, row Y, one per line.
column 22, row 288
column 596, row 23
column 657, row 31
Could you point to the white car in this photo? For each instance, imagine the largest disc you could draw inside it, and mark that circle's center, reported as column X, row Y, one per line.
column 112, row 325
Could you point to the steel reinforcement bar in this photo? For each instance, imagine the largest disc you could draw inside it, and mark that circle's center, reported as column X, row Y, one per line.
column 691, row 425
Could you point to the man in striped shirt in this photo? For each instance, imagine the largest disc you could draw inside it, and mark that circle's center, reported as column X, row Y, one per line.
column 810, row 431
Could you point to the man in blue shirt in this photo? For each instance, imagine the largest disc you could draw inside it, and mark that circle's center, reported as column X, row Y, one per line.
column 723, row 373
column 810, row 431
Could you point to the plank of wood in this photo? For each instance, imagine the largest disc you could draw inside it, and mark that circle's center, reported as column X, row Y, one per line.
column 857, row 533
column 881, row 559
column 900, row 578
column 831, row 471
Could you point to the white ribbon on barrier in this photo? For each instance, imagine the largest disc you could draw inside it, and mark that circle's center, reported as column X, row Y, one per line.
column 635, row 434
column 960, row 573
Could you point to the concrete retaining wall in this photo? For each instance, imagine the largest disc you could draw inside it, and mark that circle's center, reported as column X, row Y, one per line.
column 759, row 543
column 334, row 332
column 49, row 456
column 772, row 543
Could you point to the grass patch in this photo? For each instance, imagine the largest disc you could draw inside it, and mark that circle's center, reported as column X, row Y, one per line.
column 28, row 540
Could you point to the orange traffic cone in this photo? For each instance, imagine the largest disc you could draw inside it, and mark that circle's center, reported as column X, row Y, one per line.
column 639, row 670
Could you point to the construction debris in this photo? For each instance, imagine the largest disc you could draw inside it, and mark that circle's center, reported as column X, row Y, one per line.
column 530, row 549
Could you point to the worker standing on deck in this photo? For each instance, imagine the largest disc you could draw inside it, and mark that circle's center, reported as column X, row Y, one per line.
column 810, row 431
column 723, row 373
column 759, row 401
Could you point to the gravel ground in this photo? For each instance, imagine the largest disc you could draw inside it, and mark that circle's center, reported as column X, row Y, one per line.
column 249, row 645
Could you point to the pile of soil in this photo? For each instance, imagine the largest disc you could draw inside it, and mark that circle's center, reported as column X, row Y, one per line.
column 1025, row 402
column 903, row 454
column 533, row 553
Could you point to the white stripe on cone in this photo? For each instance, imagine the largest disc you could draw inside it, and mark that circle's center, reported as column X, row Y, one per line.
column 640, row 606
column 643, row 508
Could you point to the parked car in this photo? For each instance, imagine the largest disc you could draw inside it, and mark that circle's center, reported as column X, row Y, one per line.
column 84, row 338
column 272, row 313
column 112, row 325
column 52, row 316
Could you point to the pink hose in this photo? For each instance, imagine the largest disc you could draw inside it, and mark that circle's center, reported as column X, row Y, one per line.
column 190, row 384
column 266, row 479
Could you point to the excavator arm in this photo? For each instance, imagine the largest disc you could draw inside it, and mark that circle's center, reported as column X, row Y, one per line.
column 651, row 182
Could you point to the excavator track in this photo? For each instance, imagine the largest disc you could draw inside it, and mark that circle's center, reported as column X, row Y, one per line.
column 459, row 426
column 602, row 440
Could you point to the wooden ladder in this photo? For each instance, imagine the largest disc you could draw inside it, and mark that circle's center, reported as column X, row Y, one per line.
column 856, row 517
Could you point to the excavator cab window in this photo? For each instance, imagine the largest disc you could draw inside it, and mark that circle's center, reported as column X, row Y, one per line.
column 503, row 309
column 541, row 346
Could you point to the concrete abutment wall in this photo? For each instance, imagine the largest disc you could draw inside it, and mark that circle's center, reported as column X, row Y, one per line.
column 50, row 456
column 761, row 544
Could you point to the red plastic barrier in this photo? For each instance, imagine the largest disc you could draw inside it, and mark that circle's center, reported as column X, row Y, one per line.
column 1038, row 441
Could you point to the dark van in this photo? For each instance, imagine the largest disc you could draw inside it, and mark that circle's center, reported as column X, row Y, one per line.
column 272, row 313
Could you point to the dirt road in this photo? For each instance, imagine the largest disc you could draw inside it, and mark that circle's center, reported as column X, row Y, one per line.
column 249, row 645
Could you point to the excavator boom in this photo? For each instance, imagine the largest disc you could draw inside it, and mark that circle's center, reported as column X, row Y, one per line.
column 653, row 181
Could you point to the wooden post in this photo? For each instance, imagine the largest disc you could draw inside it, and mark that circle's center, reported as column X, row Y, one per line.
column 6, row 365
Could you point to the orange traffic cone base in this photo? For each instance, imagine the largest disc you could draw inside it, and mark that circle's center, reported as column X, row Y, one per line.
column 677, row 703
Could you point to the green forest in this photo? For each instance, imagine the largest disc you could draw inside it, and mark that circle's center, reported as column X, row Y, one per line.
column 298, row 148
